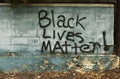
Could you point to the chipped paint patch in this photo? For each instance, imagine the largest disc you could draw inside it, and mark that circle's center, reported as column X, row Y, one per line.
column 80, row 63
column 93, row 62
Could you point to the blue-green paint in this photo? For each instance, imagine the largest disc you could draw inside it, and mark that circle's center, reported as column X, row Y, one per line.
column 21, row 38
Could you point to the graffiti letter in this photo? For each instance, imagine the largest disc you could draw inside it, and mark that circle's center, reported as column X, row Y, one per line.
column 78, row 22
column 61, row 36
column 95, row 46
column 79, row 35
column 85, row 48
column 46, row 46
column 76, row 47
column 57, row 46
column 61, row 21
column 69, row 35
column 69, row 20
column 66, row 46
column 43, row 18
column 44, row 34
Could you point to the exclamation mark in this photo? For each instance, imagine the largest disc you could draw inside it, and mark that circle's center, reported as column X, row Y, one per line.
column 106, row 47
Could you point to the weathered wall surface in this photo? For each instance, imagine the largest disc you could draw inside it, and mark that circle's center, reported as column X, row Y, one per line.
column 31, row 36
column 77, row 29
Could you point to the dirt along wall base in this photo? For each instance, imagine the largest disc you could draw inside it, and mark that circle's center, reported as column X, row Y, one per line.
column 58, row 62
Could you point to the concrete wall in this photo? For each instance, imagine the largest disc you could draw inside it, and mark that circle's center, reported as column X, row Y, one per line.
column 34, row 37
column 26, row 28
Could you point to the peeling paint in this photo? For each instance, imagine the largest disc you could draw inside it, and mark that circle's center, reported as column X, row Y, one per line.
column 80, row 63
column 89, row 64
column 89, row 29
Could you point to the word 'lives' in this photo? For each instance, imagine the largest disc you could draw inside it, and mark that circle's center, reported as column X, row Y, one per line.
column 45, row 21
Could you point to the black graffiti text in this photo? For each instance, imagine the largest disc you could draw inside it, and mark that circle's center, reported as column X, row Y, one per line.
column 61, row 21
column 60, row 35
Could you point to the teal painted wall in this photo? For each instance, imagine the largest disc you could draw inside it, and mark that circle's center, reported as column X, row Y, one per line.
column 81, row 30
column 20, row 30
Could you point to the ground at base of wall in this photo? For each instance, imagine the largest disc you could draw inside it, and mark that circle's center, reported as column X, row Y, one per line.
column 108, row 74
